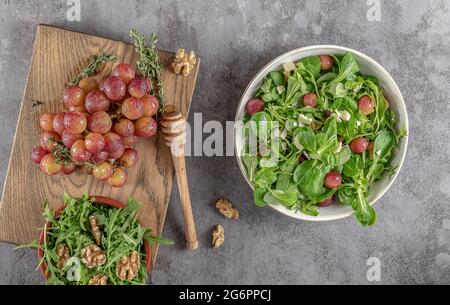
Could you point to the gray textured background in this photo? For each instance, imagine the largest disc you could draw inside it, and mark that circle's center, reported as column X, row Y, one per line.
column 235, row 39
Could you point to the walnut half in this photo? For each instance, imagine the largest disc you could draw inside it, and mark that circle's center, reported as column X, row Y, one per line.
column 63, row 253
column 128, row 266
column 184, row 62
column 93, row 256
column 226, row 208
column 99, row 279
column 218, row 236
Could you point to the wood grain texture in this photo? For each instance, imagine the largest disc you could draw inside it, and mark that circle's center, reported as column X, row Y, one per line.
column 59, row 55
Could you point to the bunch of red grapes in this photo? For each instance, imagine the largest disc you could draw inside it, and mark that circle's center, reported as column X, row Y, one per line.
column 97, row 133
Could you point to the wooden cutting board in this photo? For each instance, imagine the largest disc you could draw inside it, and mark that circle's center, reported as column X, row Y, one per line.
column 58, row 55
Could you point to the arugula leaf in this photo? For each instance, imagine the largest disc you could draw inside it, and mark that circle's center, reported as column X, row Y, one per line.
column 310, row 178
column 307, row 138
column 384, row 143
column 250, row 163
column 311, row 64
column 285, row 198
column 277, row 78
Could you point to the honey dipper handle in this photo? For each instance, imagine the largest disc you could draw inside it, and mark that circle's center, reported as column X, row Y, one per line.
column 174, row 130
column 189, row 225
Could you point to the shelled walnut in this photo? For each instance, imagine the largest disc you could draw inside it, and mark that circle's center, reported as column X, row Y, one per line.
column 95, row 229
column 99, row 279
column 218, row 236
column 184, row 62
column 63, row 253
column 93, row 256
column 226, row 208
column 128, row 266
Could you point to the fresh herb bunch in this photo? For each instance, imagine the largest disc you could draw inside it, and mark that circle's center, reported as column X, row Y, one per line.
column 311, row 141
column 148, row 63
column 121, row 235
column 95, row 62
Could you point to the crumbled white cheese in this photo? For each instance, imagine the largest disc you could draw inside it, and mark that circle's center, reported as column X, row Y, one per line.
column 281, row 89
column 304, row 119
column 289, row 66
column 337, row 116
column 358, row 123
column 338, row 147
column 283, row 134
column 345, row 115
column 378, row 152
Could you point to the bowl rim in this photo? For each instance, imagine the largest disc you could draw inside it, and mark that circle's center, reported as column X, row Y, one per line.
column 102, row 200
column 401, row 102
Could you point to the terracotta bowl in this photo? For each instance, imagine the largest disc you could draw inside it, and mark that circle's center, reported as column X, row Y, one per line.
column 98, row 200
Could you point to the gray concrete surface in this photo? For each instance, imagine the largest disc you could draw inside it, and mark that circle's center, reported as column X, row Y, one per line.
column 235, row 39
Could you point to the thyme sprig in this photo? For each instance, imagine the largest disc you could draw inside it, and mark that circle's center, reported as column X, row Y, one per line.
column 148, row 63
column 92, row 67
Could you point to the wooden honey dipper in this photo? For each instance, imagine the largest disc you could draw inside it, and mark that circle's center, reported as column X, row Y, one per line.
column 174, row 130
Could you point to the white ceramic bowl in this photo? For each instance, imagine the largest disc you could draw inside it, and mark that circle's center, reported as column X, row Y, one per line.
column 368, row 66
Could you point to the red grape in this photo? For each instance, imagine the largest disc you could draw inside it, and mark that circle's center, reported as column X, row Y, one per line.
column 145, row 127
column 113, row 142
column 365, row 105
column 333, row 180
column 132, row 108
column 37, row 154
column 103, row 171
column 69, row 138
column 138, row 87
column 99, row 122
column 130, row 141
column 68, row 169
column 124, row 128
column 117, row 153
column 129, row 158
column 326, row 62
column 49, row 140
column 125, row 71
column 310, row 100
column 73, row 96
column 58, row 122
column 255, row 105
column 100, row 157
column 46, row 121
column 118, row 178
column 327, row 202
column 114, row 88
column 151, row 105
column 88, row 84
column 81, row 109
column 49, row 165
column 79, row 152
column 359, row 145
column 75, row 122
column 96, row 101
column 94, row 142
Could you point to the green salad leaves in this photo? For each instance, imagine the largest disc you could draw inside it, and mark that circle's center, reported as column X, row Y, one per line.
column 290, row 148
column 121, row 234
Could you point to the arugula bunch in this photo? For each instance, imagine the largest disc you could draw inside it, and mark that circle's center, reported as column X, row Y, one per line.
column 296, row 146
column 121, row 235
